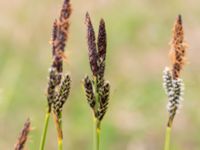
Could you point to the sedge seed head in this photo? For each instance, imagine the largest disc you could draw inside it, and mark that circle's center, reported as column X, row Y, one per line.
column 23, row 136
column 89, row 92
column 62, row 95
column 178, row 48
column 92, row 50
column 104, row 99
column 102, row 45
column 60, row 35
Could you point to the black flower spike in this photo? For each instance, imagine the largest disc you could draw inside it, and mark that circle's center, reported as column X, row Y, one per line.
column 60, row 36
column 102, row 45
column 62, row 95
column 51, row 87
column 104, row 98
column 88, row 87
column 56, row 50
column 93, row 55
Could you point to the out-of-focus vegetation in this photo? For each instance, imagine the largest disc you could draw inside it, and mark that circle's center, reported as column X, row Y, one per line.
column 138, row 37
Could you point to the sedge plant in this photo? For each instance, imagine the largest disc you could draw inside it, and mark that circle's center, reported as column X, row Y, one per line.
column 172, row 82
column 58, row 85
column 96, row 89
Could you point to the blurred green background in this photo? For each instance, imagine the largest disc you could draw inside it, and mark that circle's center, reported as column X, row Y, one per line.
column 138, row 35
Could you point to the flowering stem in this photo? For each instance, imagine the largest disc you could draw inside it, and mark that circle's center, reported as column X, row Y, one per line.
column 97, row 130
column 58, row 124
column 60, row 139
column 167, row 138
column 43, row 138
column 60, row 144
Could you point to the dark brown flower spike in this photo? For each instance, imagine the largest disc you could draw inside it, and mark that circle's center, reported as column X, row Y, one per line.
column 62, row 95
column 52, row 83
column 60, row 36
column 89, row 92
column 178, row 48
column 93, row 55
column 104, row 98
column 102, row 45
column 23, row 136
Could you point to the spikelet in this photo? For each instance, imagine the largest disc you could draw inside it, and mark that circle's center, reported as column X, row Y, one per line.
column 62, row 95
column 60, row 31
column 92, row 49
column 178, row 48
column 104, row 97
column 174, row 89
column 23, row 136
column 51, row 90
column 102, row 45
column 176, row 98
column 60, row 36
column 89, row 92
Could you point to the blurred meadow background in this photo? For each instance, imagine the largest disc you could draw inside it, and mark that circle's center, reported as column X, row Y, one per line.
column 138, row 37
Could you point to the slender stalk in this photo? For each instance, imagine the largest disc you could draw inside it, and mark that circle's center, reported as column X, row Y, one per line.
column 43, row 138
column 60, row 144
column 167, row 138
column 97, row 130
column 58, row 124
column 60, row 136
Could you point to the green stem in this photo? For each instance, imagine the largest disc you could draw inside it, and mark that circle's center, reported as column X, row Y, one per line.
column 60, row 137
column 97, row 130
column 167, row 138
column 58, row 125
column 60, row 144
column 43, row 138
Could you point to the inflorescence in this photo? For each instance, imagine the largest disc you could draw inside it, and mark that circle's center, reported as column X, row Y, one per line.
column 172, row 82
column 97, row 90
